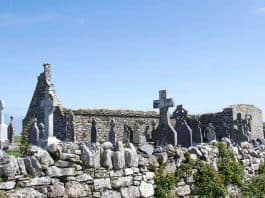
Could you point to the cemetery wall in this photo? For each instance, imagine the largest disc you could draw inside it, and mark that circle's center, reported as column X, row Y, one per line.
column 144, row 122
column 99, row 171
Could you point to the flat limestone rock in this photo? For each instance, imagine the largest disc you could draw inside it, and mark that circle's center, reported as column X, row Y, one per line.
column 147, row 149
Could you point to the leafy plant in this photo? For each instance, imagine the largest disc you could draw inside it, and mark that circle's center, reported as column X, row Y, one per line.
column 25, row 137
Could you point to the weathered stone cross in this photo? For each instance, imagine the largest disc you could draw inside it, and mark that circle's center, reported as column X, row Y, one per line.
column 165, row 133
column 163, row 104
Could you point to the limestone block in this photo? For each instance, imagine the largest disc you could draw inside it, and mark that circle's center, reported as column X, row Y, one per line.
column 130, row 192
column 146, row 189
column 102, row 184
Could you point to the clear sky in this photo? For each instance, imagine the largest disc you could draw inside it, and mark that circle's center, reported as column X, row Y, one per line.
column 119, row 53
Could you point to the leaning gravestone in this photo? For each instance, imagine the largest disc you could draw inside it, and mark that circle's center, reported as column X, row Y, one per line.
column 3, row 126
column 195, row 125
column 165, row 133
column 210, row 132
column 11, row 130
column 182, row 127
column 112, row 134
column 137, row 137
column 94, row 131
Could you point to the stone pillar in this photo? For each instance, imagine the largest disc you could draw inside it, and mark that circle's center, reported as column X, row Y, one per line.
column 3, row 126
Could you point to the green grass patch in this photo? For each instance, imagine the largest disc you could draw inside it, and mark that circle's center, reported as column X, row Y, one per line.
column 15, row 154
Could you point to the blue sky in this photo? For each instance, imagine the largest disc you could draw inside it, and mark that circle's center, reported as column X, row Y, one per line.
column 118, row 54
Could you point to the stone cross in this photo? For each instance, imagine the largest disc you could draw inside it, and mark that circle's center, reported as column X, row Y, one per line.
column 11, row 130
column 3, row 126
column 163, row 105
column 112, row 134
column 48, row 105
column 94, row 131
column 165, row 133
column 182, row 127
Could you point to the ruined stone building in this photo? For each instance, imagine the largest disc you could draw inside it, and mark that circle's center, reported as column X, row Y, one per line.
column 76, row 125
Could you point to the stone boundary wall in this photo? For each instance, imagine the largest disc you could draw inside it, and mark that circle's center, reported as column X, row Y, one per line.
column 136, row 120
column 76, row 170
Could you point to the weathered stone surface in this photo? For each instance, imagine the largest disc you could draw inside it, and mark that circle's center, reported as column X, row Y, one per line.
column 33, row 166
column 147, row 149
column 74, row 189
column 42, row 156
column 111, row 194
column 22, row 166
column 146, row 189
column 55, row 150
column 130, row 192
column 102, row 184
column 26, row 192
column 56, row 190
column 122, row 182
column 183, row 190
column 38, row 181
column 118, row 160
column 54, row 171
column 7, row 185
column 131, row 157
column 106, row 159
column 11, row 169
column 91, row 158
column 84, row 178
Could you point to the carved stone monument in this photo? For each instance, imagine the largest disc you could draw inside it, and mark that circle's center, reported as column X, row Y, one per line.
column 34, row 133
column 195, row 126
column 94, row 131
column 182, row 127
column 3, row 126
column 112, row 134
column 165, row 133
column 126, row 133
column 11, row 130
column 49, row 107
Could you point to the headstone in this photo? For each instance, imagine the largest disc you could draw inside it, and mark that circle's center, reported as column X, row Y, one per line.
column 165, row 133
column 182, row 127
column 94, row 131
column 240, row 133
column 112, row 134
column 49, row 107
column 126, row 133
column 195, row 126
column 34, row 133
column 69, row 136
column 147, row 133
column 11, row 130
column 210, row 132
column 42, row 130
column 3, row 126
column 138, row 138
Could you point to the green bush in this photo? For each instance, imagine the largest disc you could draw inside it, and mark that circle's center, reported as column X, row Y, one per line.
column 231, row 170
column 209, row 182
column 165, row 186
column 25, row 138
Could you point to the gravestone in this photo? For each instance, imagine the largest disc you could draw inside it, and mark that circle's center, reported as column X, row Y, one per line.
column 182, row 127
column 69, row 136
column 137, row 137
column 11, row 130
column 94, row 131
column 165, row 133
column 3, row 126
column 42, row 130
column 49, row 107
column 126, row 133
column 112, row 134
column 34, row 133
column 210, row 132
column 239, row 134
column 195, row 126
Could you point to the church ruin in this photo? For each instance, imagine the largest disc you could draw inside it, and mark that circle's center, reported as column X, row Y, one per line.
column 235, row 122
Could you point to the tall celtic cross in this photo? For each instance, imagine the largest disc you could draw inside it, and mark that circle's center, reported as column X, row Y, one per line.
column 163, row 105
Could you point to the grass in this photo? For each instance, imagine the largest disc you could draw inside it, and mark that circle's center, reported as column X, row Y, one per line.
column 15, row 153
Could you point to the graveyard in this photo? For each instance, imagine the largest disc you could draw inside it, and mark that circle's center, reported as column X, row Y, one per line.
column 125, row 153
column 132, row 99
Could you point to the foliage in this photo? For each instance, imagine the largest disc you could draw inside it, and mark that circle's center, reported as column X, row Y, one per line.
column 256, row 186
column 231, row 170
column 25, row 137
column 3, row 195
column 15, row 153
column 164, row 183
column 209, row 182
column 17, row 140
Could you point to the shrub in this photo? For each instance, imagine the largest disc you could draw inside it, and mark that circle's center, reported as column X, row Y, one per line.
column 25, row 137
column 231, row 170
